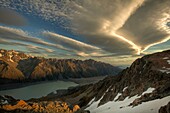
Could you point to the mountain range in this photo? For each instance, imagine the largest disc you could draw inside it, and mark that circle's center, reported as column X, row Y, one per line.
column 18, row 66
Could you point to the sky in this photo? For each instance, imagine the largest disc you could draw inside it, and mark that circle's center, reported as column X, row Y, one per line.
column 111, row 31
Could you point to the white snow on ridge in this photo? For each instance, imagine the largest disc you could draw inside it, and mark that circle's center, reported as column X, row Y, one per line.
column 168, row 61
column 166, row 58
column 94, row 104
column 91, row 101
column 122, row 106
column 125, row 89
column 149, row 90
column 167, row 70
column 117, row 96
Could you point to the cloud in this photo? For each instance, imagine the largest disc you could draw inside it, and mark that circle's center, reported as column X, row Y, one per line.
column 94, row 18
column 61, row 44
column 69, row 42
column 11, row 17
column 108, row 27
column 22, row 36
column 31, row 48
column 148, row 25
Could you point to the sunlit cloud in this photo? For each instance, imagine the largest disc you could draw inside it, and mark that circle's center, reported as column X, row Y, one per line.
column 148, row 25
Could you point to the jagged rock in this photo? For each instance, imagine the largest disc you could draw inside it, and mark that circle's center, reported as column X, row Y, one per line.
column 76, row 108
column 9, row 71
column 39, row 107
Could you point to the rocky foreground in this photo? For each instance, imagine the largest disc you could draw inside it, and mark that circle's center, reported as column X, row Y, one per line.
column 20, row 106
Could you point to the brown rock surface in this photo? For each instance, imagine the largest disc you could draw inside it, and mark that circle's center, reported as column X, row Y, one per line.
column 39, row 107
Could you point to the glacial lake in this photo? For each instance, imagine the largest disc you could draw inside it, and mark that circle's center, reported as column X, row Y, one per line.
column 37, row 90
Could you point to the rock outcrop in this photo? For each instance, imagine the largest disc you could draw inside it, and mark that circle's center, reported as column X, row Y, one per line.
column 21, row 106
column 17, row 65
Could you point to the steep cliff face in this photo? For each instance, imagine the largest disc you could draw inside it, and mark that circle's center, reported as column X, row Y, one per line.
column 144, row 79
column 17, row 65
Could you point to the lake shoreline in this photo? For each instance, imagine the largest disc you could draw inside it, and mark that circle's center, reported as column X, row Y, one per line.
column 79, row 81
column 37, row 90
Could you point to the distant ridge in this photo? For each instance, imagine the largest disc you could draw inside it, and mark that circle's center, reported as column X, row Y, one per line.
column 18, row 66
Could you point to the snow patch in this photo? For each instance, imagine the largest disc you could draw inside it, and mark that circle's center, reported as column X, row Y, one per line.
column 4, row 102
column 149, row 90
column 124, row 89
column 117, row 96
column 108, row 89
column 168, row 61
column 91, row 101
column 165, row 70
column 94, row 104
column 166, row 58
column 122, row 106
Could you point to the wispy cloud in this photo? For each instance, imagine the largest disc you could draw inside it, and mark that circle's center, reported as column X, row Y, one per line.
column 69, row 42
column 11, row 17
column 8, row 33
